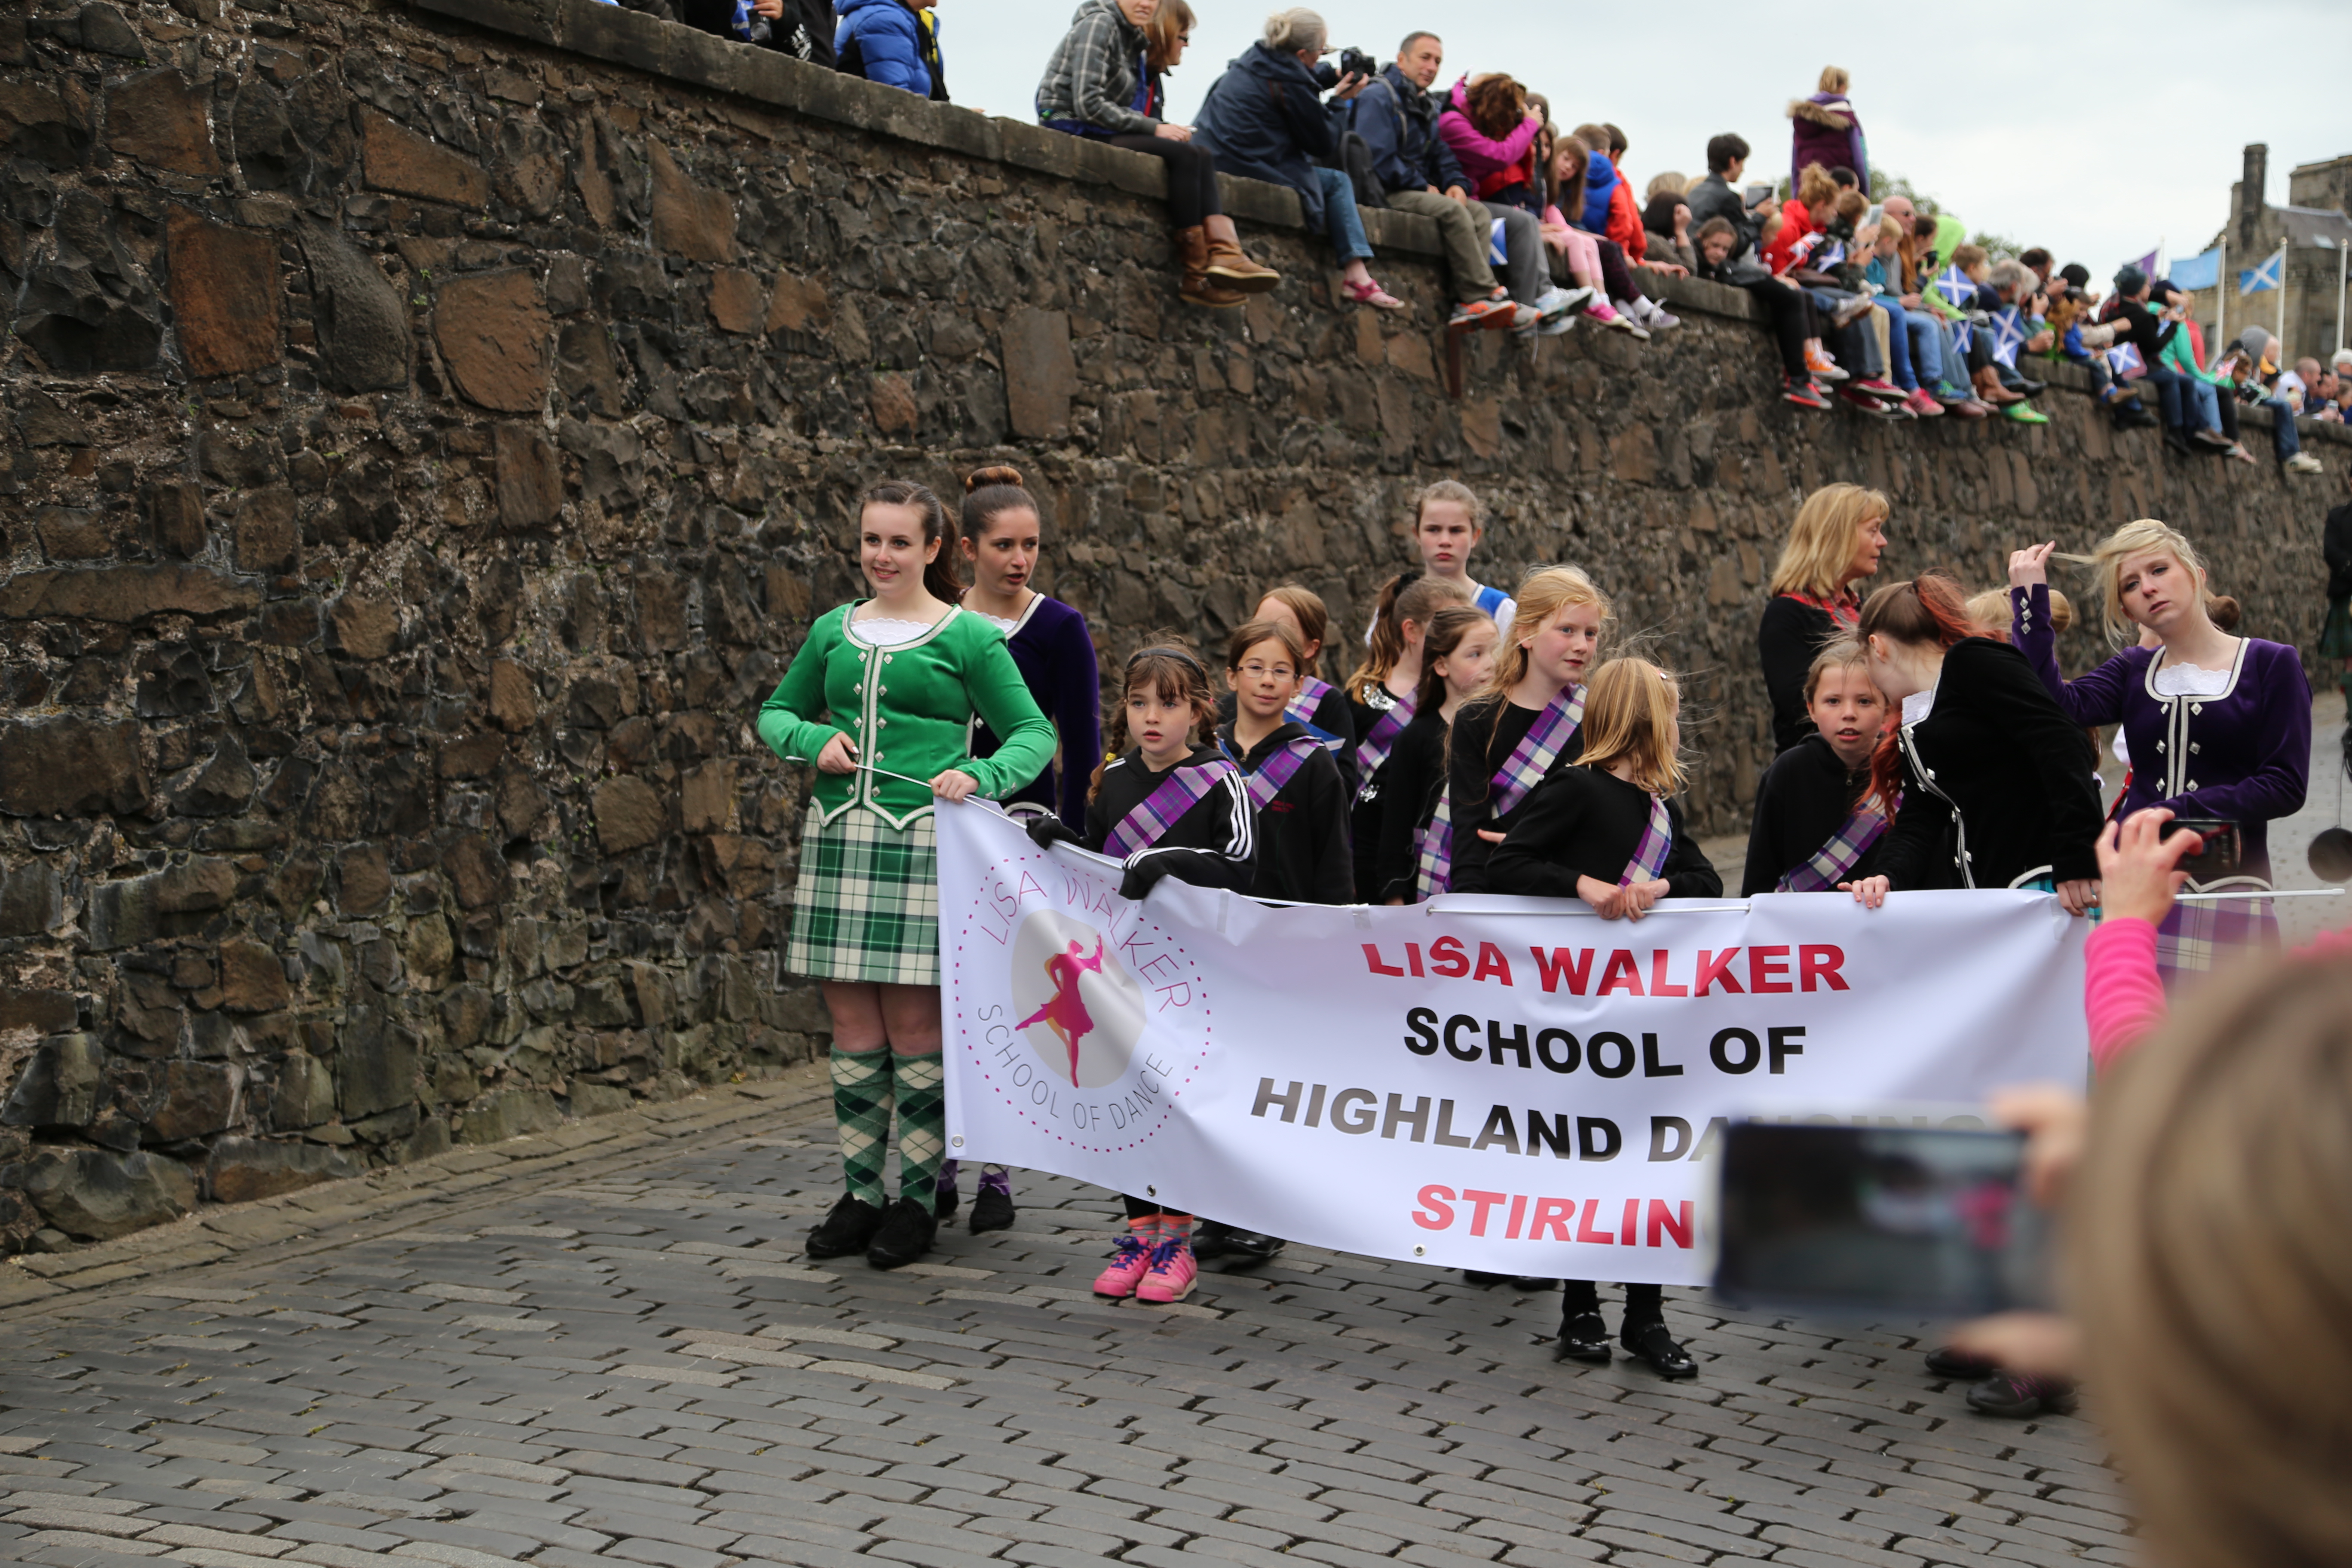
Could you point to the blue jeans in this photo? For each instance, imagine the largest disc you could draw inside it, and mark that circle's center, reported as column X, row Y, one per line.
column 1340, row 219
column 1926, row 344
column 2169, row 383
column 2207, row 402
column 2285, row 440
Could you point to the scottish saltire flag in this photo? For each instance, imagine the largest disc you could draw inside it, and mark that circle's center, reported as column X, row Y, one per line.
column 1960, row 341
column 2124, row 361
column 1832, row 255
column 2268, row 276
column 1956, row 286
column 2007, row 336
column 2198, row 271
column 1495, row 252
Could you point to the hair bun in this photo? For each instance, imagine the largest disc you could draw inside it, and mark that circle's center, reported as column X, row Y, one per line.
column 980, row 479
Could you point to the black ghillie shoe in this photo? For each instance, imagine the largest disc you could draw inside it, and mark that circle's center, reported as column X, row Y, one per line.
column 991, row 1209
column 847, row 1230
column 907, row 1233
column 1651, row 1342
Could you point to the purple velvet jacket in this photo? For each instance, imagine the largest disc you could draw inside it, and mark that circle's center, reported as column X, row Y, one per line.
column 2244, row 756
column 1056, row 657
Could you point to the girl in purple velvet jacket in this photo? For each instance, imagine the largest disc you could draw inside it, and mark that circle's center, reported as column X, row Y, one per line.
column 2217, row 726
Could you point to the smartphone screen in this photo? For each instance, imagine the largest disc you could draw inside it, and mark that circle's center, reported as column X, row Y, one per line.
column 2219, row 858
column 1877, row 1221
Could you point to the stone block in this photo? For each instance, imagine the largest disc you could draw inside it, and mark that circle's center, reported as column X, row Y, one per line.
column 514, row 697
column 397, row 159
column 629, row 814
column 530, row 478
column 32, row 900
column 799, row 305
column 892, row 404
column 511, row 1114
column 252, row 977
column 240, row 1170
column 362, row 879
column 224, row 294
column 706, row 798
column 737, row 303
column 477, row 872
column 599, row 1099
column 303, row 1094
column 688, row 220
column 95, row 1196
column 265, row 533
column 157, row 118
column 202, row 882
column 364, row 628
column 124, row 594
column 375, row 1070
column 71, row 767
column 360, row 319
column 190, row 1099
column 494, row 334
column 61, row 1083
column 1040, row 374
column 72, row 533
column 176, row 511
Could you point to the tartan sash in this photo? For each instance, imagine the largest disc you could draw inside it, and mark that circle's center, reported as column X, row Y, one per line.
column 1374, row 747
column 1649, row 853
column 1183, row 788
column 1301, row 709
column 1830, row 864
column 1277, row 771
column 1524, row 769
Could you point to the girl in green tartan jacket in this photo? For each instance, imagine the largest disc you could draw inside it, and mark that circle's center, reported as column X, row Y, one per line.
column 882, row 695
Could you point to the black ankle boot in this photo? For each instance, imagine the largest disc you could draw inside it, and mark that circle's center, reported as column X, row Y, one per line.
column 991, row 1209
column 1651, row 1342
column 1210, row 1238
column 907, row 1233
column 847, row 1230
column 1244, row 1248
column 1582, row 1337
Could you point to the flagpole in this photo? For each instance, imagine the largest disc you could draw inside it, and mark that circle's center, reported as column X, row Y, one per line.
column 2343, row 256
column 2285, row 358
column 2222, row 294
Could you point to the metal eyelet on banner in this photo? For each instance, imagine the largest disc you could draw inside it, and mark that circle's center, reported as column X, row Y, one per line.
column 1419, row 1250
column 1149, row 1190
column 956, row 1142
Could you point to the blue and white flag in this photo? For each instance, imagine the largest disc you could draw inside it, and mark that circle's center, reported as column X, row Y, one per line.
column 1956, row 286
column 2124, row 361
column 2270, row 275
column 1496, row 254
column 2007, row 336
column 2198, row 271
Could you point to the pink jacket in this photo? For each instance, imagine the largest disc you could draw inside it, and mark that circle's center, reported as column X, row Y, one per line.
column 2122, row 992
column 1482, row 157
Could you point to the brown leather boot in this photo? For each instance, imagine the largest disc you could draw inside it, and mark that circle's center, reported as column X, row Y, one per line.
column 1237, row 271
column 1990, row 391
column 1197, row 286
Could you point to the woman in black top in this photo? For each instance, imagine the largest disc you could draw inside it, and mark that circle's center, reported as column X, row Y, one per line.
column 1994, row 792
column 1836, row 540
column 1583, row 834
column 1459, row 659
column 1381, row 705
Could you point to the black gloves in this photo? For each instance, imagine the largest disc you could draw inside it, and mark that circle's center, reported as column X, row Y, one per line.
column 1141, row 877
column 1047, row 830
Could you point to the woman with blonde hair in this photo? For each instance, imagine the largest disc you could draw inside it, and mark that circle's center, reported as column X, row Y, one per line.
column 1607, row 831
column 1522, row 729
column 1836, row 540
column 2217, row 726
column 1827, row 131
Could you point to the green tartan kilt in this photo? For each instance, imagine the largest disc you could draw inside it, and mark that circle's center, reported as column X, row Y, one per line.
column 2336, row 632
column 868, row 904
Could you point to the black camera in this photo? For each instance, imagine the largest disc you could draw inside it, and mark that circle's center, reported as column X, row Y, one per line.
column 1355, row 62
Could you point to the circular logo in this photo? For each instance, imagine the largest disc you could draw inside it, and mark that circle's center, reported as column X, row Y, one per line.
column 1083, row 1018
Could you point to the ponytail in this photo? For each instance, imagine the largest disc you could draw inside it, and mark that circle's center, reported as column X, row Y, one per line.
column 1407, row 596
column 1930, row 609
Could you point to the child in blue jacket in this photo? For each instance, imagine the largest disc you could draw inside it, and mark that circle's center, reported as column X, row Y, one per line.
column 893, row 42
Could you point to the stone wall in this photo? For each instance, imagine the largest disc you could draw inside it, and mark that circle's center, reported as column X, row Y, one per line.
column 427, row 436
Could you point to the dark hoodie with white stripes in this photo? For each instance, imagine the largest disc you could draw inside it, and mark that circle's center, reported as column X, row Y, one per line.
column 1213, row 844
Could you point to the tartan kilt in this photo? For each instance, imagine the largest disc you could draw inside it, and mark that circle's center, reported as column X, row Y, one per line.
column 2195, row 937
column 2335, row 632
column 868, row 904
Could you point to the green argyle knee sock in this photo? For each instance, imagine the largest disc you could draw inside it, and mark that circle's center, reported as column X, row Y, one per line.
column 922, row 1124
column 861, row 1117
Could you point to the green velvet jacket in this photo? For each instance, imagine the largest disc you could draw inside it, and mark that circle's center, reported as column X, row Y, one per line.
column 909, row 708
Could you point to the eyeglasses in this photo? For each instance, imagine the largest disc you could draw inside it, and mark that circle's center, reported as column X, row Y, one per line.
column 1257, row 671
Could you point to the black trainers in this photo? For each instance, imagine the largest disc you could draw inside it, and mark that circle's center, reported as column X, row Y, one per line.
column 991, row 1209
column 2018, row 1396
column 1247, row 1248
column 847, row 1230
column 1212, row 1238
column 1582, row 1337
column 907, row 1233
column 1946, row 1361
column 1651, row 1342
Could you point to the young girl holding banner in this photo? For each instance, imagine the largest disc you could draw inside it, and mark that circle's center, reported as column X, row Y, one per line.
column 2217, row 726
column 1381, row 698
column 1056, row 656
column 1457, row 660
column 881, row 698
column 1994, row 792
column 1817, row 824
column 1164, row 806
column 1606, row 831
column 1519, row 731
column 1317, row 704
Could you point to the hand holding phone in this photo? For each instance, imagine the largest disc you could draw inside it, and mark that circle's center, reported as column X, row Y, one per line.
column 2220, row 854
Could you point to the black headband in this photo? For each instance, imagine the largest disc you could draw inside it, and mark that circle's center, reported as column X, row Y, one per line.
column 1185, row 654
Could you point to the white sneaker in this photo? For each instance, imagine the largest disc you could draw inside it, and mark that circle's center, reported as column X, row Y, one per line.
column 2304, row 463
column 1654, row 317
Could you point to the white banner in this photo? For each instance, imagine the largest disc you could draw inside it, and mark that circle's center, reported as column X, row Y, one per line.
column 1506, row 1084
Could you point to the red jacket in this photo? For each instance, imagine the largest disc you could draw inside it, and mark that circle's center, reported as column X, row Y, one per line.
column 1625, row 222
column 1796, row 222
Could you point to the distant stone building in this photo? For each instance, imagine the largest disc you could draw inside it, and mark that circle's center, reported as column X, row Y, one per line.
column 2317, row 230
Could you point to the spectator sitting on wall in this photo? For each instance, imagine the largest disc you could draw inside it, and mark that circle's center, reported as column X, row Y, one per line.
column 2299, row 386
column 1264, row 119
column 1717, row 195
column 1397, row 118
column 1492, row 129
column 1665, row 223
column 2007, row 286
column 2149, row 332
column 1795, row 329
column 1921, row 372
column 1627, row 222
column 1577, row 258
column 1103, row 82
column 2211, row 392
column 1805, row 218
column 801, row 28
column 893, row 42
column 1827, row 131
column 1606, row 212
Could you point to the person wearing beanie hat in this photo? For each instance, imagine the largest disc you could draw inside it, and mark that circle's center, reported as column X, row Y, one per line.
column 2151, row 334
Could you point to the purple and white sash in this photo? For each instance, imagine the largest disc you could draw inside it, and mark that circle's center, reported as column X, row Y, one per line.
column 1833, row 861
column 1649, row 853
column 1279, row 769
column 1311, row 693
column 1374, row 747
column 1524, row 769
column 1183, row 789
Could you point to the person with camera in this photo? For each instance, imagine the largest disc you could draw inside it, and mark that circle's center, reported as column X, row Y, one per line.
column 1264, row 119
column 1718, row 194
column 2218, row 727
column 2150, row 332
column 1397, row 118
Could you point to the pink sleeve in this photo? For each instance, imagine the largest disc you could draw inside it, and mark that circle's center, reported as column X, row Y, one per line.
column 2122, row 992
column 1456, row 127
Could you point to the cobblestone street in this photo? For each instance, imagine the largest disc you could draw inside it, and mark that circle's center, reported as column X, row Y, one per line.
column 631, row 1362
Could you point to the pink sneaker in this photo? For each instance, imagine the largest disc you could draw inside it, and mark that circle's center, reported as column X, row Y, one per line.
column 1171, row 1276
column 1129, row 1262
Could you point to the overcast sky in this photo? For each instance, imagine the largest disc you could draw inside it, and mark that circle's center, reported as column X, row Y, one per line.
column 2004, row 123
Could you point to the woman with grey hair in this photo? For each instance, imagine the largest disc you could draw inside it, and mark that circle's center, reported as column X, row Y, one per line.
column 1265, row 121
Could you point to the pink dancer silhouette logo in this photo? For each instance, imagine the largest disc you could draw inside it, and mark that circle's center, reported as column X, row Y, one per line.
column 1064, row 1011
column 1079, row 1009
